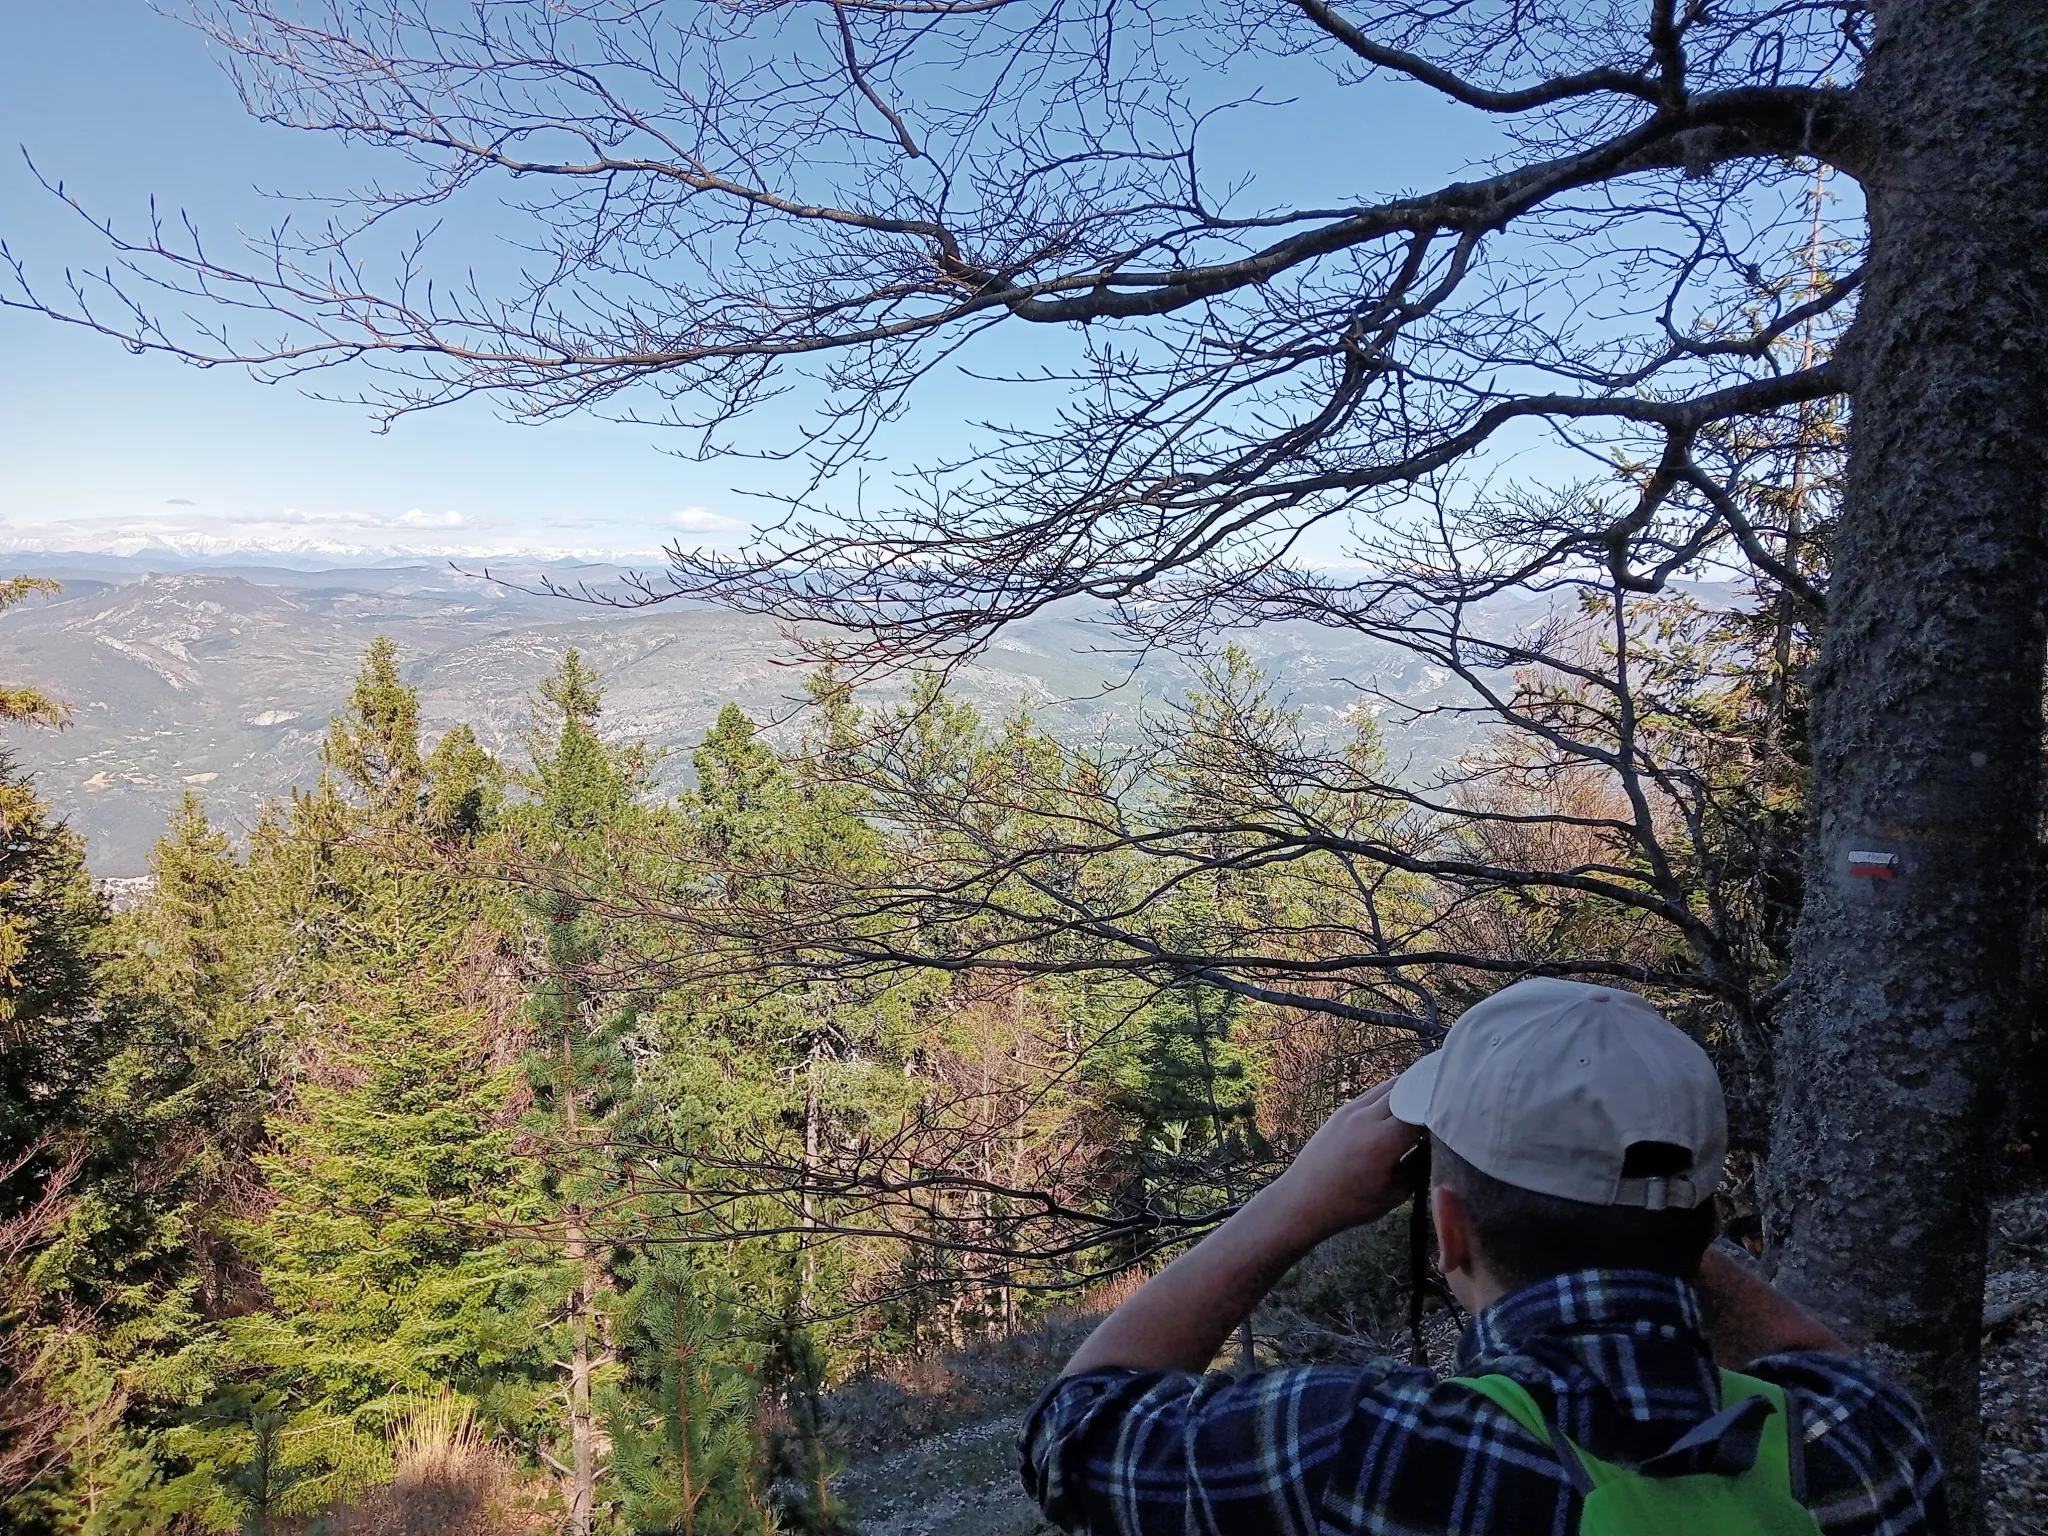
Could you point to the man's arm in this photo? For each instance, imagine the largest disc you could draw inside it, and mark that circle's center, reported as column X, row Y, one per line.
column 1345, row 1176
column 1747, row 1318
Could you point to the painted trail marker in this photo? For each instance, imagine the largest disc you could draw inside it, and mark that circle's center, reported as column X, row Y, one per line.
column 1867, row 865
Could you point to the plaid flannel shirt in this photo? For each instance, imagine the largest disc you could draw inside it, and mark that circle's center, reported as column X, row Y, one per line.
column 1617, row 1358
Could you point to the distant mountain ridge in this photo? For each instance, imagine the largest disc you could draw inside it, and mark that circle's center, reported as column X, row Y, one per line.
column 162, row 550
column 222, row 680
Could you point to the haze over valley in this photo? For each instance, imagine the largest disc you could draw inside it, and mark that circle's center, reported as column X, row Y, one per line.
column 221, row 678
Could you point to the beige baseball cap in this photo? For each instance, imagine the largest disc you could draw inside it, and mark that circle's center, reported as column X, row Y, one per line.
column 1546, row 1085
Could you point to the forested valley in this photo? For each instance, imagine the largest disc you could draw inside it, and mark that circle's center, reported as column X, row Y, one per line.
column 496, row 1145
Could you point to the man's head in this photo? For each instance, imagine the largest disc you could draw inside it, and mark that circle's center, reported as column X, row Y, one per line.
column 1574, row 1128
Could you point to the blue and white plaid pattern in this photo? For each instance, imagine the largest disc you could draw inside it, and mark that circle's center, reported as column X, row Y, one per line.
column 1616, row 1357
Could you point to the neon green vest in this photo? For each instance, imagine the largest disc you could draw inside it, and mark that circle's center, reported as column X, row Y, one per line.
column 1622, row 1502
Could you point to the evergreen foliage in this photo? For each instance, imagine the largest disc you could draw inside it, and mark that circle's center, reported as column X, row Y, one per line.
column 688, row 1458
column 18, row 703
column 100, row 1086
column 640, row 1122
column 55, row 1035
column 803, row 1462
column 582, row 802
column 375, row 746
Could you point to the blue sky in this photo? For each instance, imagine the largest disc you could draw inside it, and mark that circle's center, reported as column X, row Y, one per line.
column 99, row 449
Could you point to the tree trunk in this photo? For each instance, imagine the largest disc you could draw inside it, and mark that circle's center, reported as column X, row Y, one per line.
column 582, row 1422
column 1927, row 716
column 813, row 1114
column 582, row 1430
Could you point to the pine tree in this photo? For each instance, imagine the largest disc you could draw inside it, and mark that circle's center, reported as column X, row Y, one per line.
column 692, row 1465
column 804, row 1464
column 55, row 1040
column 390, row 1161
column 375, row 745
column 264, row 1479
column 465, row 786
column 99, row 1096
column 54, row 1035
column 386, row 1281
column 194, row 951
column 21, row 704
column 742, row 788
column 583, row 795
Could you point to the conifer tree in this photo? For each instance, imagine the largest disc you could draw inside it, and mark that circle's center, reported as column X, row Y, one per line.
column 55, row 1040
column 465, row 786
column 692, row 1465
column 583, row 792
column 384, row 1277
column 375, row 745
column 390, row 1164
column 52, row 1030
column 100, row 1095
column 741, row 786
column 195, row 950
column 804, row 1464
column 54, row 1035
column 263, row 1482
column 21, row 703
column 179, row 1109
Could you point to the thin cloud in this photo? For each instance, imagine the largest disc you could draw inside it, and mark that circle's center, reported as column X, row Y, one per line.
column 296, row 517
column 704, row 520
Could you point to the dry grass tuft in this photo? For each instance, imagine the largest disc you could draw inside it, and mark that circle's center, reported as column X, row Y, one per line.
column 450, row 1480
column 441, row 1441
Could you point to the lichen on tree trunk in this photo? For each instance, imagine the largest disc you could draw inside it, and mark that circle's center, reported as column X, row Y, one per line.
column 1927, row 716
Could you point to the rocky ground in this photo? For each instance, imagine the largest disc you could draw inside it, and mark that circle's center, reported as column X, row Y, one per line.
column 933, row 1449
column 960, row 1483
column 2015, row 1378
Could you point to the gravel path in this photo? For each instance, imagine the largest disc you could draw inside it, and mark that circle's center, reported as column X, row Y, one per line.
column 961, row 1483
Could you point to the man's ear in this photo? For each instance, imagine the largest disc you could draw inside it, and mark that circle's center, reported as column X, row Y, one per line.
column 1453, row 1230
column 1457, row 1255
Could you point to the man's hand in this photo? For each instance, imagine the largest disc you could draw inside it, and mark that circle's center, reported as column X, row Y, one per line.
column 1349, row 1173
column 1344, row 1177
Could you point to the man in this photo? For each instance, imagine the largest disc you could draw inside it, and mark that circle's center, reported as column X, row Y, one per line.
column 1576, row 1139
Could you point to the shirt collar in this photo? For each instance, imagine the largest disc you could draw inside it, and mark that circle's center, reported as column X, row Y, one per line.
column 1588, row 1301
